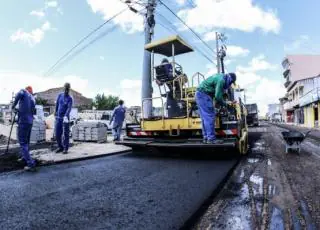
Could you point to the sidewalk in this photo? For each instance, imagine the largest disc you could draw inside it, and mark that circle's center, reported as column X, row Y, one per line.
column 315, row 132
column 79, row 151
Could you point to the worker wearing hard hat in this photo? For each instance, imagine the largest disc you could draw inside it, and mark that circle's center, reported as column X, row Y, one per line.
column 25, row 111
column 117, row 119
column 212, row 89
column 62, row 113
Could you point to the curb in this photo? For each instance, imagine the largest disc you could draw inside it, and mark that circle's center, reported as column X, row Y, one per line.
column 41, row 164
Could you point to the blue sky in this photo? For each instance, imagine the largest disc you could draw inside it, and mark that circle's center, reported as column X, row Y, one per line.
column 260, row 33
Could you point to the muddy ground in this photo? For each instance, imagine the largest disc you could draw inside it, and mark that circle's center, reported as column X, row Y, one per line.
column 270, row 189
column 4, row 140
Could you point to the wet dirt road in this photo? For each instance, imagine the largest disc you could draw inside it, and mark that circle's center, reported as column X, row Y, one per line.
column 126, row 191
column 269, row 189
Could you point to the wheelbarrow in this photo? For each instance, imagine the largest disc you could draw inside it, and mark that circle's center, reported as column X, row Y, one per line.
column 294, row 139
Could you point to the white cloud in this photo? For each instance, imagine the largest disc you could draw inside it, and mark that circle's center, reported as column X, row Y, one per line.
column 129, row 90
column 241, row 15
column 303, row 39
column 209, row 36
column 130, row 84
column 228, row 61
column 212, row 69
column 60, row 11
column 37, row 13
column 257, row 86
column 245, row 79
column 46, row 26
column 52, row 4
column 257, row 64
column 13, row 81
column 31, row 38
column 181, row 2
column 260, row 96
column 101, row 58
column 128, row 21
column 235, row 51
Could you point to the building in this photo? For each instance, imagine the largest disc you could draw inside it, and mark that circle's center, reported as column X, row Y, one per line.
column 273, row 111
column 49, row 99
column 302, row 81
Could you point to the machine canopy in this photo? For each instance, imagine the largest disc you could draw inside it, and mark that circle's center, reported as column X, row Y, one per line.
column 164, row 46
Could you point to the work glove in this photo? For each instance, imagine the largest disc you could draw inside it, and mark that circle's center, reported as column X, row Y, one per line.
column 230, row 103
column 65, row 119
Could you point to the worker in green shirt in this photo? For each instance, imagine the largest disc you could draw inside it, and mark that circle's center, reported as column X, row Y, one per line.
column 212, row 89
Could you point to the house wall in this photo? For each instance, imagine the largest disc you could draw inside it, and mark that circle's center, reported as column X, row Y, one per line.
column 298, row 64
column 308, row 116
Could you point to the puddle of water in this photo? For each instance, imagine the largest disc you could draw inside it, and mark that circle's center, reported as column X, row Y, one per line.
column 253, row 160
column 259, row 207
column 242, row 174
column 244, row 193
column 276, row 222
column 305, row 212
column 258, row 181
column 258, row 150
column 295, row 220
column 271, row 190
column 235, row 218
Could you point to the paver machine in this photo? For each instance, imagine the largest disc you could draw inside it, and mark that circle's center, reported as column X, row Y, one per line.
column 177, row 124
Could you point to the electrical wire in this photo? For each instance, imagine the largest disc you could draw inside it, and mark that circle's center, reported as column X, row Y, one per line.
column 77, row 52
column 171, row 27
column 180, row 19
column 82, row 40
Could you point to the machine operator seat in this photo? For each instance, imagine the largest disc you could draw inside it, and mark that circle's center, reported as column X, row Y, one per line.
column 164, row 75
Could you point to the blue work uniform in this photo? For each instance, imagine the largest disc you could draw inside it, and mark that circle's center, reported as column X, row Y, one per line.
column 63, row 108
column 117, row 119
column 211, row 89
column 26, row 111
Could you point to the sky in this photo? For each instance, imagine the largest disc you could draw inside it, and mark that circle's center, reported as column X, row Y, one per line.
column 260, row 33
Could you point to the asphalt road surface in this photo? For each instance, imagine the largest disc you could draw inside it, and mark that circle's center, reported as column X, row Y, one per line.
column 126, row 191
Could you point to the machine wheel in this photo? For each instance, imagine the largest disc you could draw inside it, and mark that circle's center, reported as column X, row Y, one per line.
column 243, row 146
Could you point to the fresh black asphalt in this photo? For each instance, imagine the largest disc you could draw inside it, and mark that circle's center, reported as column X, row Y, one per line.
column 126, row 191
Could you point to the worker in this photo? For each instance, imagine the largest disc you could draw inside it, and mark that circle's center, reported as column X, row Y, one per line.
column 117, row 118
column 62, row 114
column 209, row 91
column 25, row 112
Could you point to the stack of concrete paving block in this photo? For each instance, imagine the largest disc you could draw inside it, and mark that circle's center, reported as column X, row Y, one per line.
column 38, row 132
column 89, row 131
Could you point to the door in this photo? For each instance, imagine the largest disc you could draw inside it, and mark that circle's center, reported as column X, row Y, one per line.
column 316, row 116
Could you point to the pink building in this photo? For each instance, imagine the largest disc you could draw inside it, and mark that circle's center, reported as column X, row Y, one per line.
column 302, row 81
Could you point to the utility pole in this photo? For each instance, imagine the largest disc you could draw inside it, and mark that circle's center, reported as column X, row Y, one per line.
column 217, row 51
column 146, row 91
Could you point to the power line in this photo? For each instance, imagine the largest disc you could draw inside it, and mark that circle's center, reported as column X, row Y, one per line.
column 77, row 52
column 82, row 40
column 195, row 33
column 172, row 28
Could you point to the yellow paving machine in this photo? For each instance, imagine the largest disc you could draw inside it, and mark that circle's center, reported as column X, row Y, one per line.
column 177, row 123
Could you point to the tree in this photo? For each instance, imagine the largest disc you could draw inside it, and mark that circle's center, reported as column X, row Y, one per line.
column 102, row 102
column 41, row 101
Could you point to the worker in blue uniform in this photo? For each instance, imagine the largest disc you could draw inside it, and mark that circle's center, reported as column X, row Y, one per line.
column 209, row 91
column 117, row 118
column 62, row 114
column 26, row 111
